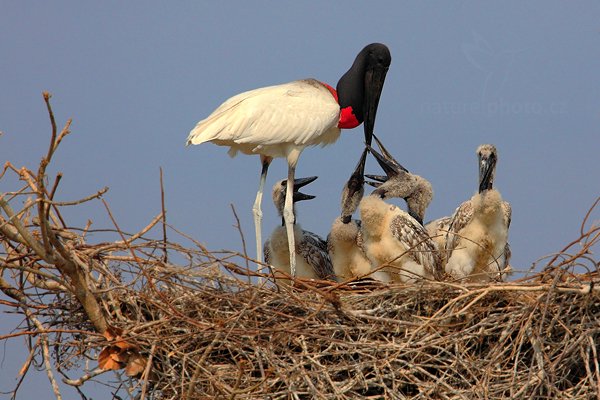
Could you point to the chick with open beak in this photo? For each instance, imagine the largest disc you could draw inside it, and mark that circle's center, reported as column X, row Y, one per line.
column 313, row 260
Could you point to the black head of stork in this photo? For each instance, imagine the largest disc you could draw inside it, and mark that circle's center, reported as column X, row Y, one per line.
column 354, row 189
column 359, row 89
column 399, row 183
column 488, row 157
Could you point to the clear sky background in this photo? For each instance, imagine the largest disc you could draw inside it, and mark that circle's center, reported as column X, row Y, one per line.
column 137, row 76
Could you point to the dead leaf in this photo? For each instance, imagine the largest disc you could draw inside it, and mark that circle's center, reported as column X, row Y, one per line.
column 112, row 332
column 124, row 345
column 111, row 358
column 135, row 365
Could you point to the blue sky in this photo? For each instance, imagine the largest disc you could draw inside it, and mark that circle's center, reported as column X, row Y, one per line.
column 137, row 76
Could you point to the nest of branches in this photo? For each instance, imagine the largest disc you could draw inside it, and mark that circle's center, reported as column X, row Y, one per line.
column 180, row 322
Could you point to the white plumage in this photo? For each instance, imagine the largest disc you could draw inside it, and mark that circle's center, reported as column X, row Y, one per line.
column 253, row 122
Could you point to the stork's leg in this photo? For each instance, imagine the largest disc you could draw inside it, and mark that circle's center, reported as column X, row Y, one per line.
column 288, row 209
column 288, row 216
column 256, row 209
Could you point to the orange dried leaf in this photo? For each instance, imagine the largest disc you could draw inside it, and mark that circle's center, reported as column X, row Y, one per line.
column 124, row 345
column 110, row 358
column 112, row 332
column 119, row 356
column 136, row 365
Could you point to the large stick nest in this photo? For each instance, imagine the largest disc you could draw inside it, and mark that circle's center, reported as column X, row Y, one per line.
column 184, row 322
column 223, row 337
column 209, row 331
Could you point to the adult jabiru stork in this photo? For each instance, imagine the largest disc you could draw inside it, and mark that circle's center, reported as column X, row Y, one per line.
column 313, row 260
column 477, row 248
column 282, row 120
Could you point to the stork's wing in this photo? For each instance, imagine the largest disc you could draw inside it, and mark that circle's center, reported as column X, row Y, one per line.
column 415, row 238
column 438, row 226
column 267, row 252
column 461, row 217
column 313, row 250
column 437, row 230
column 297, row 112
column 507, row 255
column 507, row 209
column 360, row 240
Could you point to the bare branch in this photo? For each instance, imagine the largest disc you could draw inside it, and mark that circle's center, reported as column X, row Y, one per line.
column 164, row 217
column 84, row 378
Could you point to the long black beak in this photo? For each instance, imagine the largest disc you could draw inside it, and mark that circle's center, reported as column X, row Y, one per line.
column 376, row 181
column 487, row 165
column 298, row 184
column 373, row 183
column 390, row 167
column 374, row 79
column 357, row 179
column 301, row 182
column 388, row 155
